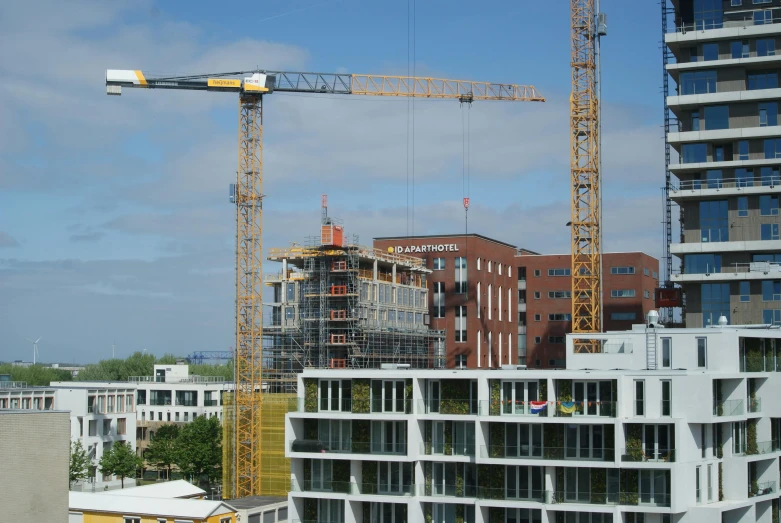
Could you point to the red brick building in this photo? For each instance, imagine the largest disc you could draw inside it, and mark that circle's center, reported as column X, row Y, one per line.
column 545, row 290
column 473, row 295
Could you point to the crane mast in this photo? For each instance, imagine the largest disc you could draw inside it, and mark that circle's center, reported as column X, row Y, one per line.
column 585, row 171
column 247, row 194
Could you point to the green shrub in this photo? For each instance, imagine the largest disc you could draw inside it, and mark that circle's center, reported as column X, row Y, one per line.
column 361, row 400
column 495, row 406
column 310, row 395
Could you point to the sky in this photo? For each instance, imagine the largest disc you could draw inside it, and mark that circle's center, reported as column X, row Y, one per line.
column 115, row 222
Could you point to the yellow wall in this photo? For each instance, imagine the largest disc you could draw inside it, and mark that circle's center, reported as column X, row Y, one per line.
column 106, row 517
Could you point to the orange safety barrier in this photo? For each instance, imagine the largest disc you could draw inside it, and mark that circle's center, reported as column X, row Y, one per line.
column 338, row 338
column 338, row 290
column 338, row 363
column 338, row 315
column 339, row 265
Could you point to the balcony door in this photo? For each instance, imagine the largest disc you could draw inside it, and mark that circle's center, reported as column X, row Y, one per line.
column 653, row 487
column 438, row 437
column 656, row 442
column 584, row 441
column 335, row 435
column 388, row 437
column 516, row 396
column 523, row 440
column 322, row 475
column 595, row 397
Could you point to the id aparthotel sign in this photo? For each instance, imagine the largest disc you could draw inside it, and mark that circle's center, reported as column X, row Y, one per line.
column 413, row 249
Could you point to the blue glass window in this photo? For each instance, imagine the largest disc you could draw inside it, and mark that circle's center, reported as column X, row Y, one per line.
column 765, row 47
column 768, row 205
column 694, row 153
column 762, row 80
column 745, row 291
column 718, row 153
column 702, row 263
column 771, row 316
column 744, row 177
column 743, row 150
column 695, row 120
column 770, row 175
column 710, row 52
column 768, row 114
column 714, row 221
column 763, row 17
column 716, row 117
column 771, row 290
column 742, row 206
column 714, row 178
column 772, row 148
column 737, row 49
column 699, row 82
column 715, row 302
column 708, row 14
column 768, row 231
column 766, row 257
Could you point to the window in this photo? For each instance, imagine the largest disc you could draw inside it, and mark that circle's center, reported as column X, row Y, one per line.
column 556, row 339
column 699, row 82
column 710, row 482
column 743, row 150
column 559, row 272
column 735, row 3
column 622, row 270
column 768, row 231
column 771, row 290
column 667, row 351
column 536, row 272
column 715, row 302
column 439, row 264
column 537, row 295
column 762, row 80
column 537, row 339
column 523, row 483
column 768, row 205
column 769, row 175
column 710, row 52
column 559, row 317
column 655, row 275
column 460, row 275
column 121, row 426
column 479, row 299
column 771, row 316
column 509, row 305
column 694, row 153
column 702, row 263
column 772, row 148
column 499, row 268
column 521, row 273
column 768, row 114
column 460, row 327
column 560, row 294
column 439, row 299
column 698, row 495
column 623, row 316
column 742, row 206
column 537, row 317
column 336, row 435
column 764, row 16
column 666, row 397
column 646, row 294
column 713, row 178
column 388, row 396
column 745, row 291
column 334, row 396
column 740, row 49
column 478, row 264
column 387, row 437
column 460, row 361
column 622, row 293
column 718, row 153
column 708, row 14
column 499, row 296
column 127, row 519
column 714, row 221
column 702, row 352
column 695, row 121
column 716, row 117
column 106, row 427
column 639, row 398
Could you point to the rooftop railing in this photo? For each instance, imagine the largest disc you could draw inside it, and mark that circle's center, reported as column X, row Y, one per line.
column 172, row 379
column 13, row 384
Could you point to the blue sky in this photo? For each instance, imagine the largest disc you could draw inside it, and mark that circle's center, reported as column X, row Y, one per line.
column 114, row 219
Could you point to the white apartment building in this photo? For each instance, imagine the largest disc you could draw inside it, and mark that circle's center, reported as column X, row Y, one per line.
column 100, row 414
column 652, row 426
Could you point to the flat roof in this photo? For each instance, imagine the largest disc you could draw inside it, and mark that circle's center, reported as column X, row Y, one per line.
column 255, row 501
column 165, row 489
column 137, row 505
column 603, row 254
column 430, row 236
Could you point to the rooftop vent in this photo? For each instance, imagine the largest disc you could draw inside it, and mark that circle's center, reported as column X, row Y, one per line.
column 652, row 318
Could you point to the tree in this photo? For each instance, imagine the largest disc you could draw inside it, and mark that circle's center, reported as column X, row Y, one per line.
column 120, row 460
column 200, row 448
column 162, row 450
column 79, row 463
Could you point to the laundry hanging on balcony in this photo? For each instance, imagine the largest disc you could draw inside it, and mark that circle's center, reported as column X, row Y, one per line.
column 537, row 406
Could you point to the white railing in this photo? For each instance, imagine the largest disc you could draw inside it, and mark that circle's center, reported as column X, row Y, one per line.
column 739, row 268
column 173, row 379
column 728, row 183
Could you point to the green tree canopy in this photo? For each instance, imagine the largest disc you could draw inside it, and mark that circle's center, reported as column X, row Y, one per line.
column 35, row 375
column 200, row 448
column 163, row 449
column 79, row 462
column 120, row 460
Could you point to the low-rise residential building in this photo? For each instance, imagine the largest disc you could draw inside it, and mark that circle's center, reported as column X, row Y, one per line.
column 34, row 456
column 177, row 489
column 87, row 507
column 649, row 425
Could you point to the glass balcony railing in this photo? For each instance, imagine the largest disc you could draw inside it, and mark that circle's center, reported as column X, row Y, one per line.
column 728, row 408
column 510, row 408
column 761, row 489
column 609, row 498
column 766, row 447
column 452, row 491
column 648, row 455
column 447, row 406
column 350, row 487
column 348, row 447
column 211, row 403
column 604, row 409
column 439, row 448
column 540, row 452
column 754, row 405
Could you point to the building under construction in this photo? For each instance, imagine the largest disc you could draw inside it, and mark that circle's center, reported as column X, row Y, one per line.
column 334, row 304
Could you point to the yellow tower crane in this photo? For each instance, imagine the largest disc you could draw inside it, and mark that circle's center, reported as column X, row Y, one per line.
column 247, row 194
column 587, row 28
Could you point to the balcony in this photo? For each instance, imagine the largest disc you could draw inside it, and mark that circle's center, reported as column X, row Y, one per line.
column 336, row 487
column 348, row 447
column 728, row 408
column 448, row 406
column 698, row 189
column 451, row 491
column 733, row 272
column 761, row 489
column 610, row 498
column 510, row 408
column 160, row 402
column 767, row 447
column 603, row 409
column 754, row 405
column 640, row 455
column 539, row 452
column 440, row 448
column 211, row 403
